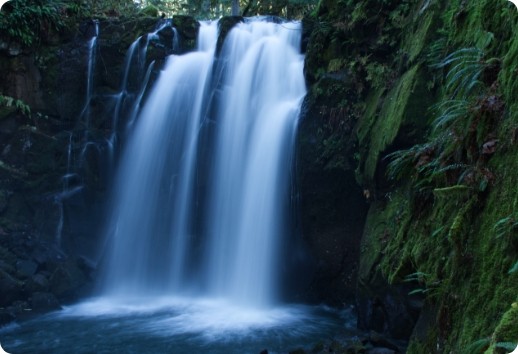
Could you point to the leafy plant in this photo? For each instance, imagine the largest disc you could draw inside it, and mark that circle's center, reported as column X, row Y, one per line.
column 463, row 122
column 28, row 21
column 506, row 345
column 7, row 101
column 411, row 160
column 478, row 346
column 422, row 279
column 447, row 112
column 505, row 226
column 465, row 67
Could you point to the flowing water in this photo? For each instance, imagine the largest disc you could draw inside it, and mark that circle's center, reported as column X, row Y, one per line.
column 175, row 232
column 201, row 212
column 177, row 326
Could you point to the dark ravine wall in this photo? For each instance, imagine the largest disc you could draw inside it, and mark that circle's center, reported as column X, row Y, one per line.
column 48, row 238
column 439, row 250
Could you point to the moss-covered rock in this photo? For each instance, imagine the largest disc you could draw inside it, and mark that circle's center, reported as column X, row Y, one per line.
column 401, row 119
column 444, row 233
column 225, row 24
column 445, row 242
column 188, row 28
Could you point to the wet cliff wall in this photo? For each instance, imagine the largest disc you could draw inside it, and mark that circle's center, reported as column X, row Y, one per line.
column 58, row 98
column 417, row 100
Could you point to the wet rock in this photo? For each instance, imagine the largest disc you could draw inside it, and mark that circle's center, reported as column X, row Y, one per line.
column 379, row 341
column 38, row 282
column 6, row 317
column 26, row 268
column 67, row 280
column 225, row 24
column 19, row 310
column 10, row 288
column 187, row 27
column 43, row 302
column 386, row 309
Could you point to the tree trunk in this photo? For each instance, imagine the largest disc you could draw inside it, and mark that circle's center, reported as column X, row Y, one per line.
column 235, row 8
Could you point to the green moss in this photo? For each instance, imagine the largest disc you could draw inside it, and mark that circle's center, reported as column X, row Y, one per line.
column 381, row 226
column 443, row 225
column 373, row 103
column 509, row 73
column 426, row 20
column 507, row 330
column 397, row 109
column 150, row 11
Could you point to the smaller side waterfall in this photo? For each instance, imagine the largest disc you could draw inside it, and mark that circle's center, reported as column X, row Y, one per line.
column 134, row 83
column 69, row 180
column 92, row 49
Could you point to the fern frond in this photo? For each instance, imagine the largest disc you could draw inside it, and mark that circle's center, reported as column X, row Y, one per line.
column 506, row 345
column 461, row 54
column 478, row 346
column 465, row 67
column 448, row 111
column 403, row 161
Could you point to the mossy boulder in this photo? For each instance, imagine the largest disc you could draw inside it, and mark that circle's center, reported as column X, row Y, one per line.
column 225, row 24
column 149, row 11
column 393, row 121
column 188, row 28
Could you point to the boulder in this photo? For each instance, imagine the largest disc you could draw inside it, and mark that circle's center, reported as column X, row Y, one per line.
column 11, row 288
column 44, row 302
column 26, row 268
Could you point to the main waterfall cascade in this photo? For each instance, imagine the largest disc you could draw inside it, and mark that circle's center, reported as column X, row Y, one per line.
column 200, row 204
column 199, row 227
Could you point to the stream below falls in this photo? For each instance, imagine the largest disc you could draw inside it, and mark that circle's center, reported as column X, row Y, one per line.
column 176, row 325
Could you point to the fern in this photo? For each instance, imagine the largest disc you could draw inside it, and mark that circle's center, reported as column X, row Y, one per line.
column 417, row 276
column 478, row 346
column 448, row 112
column 465, row 67
column 505, row 226
column 403, row 161
column 507, row 345
column 7, row 101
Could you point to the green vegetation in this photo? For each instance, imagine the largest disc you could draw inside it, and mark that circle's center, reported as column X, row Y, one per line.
column 12, row 103
column 436, row 138
column 29, row 21
column 206, row 9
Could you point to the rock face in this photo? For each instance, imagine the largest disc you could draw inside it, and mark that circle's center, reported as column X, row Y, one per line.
column 330, row 226
column 432, row 266
column 53, row 169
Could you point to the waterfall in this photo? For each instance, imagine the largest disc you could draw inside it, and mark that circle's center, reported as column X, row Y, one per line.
column 260, row 101
column 84, row 120
column 202, row 191
column 92, row 48
column 134, row 82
